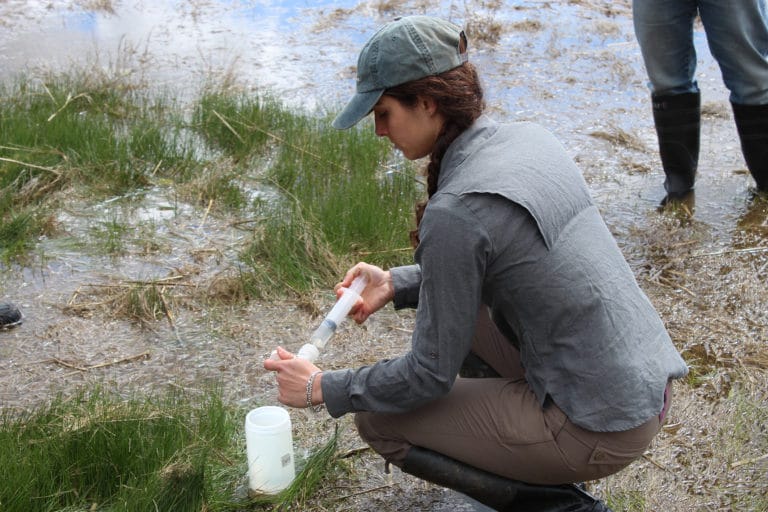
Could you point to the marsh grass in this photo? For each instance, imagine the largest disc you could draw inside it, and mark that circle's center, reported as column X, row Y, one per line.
column 628, row 501
column 77, row 133
column 290, row 254
column 110, row 236
column 322, row 198
column 172, row 452
column 338, row 199
column 143, row 302
column 744, row 442
column 16, row 231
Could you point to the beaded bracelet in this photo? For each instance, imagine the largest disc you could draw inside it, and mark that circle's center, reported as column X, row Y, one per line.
column 310, row 383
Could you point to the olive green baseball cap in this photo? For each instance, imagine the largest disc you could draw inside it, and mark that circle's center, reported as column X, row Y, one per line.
column 406, row 49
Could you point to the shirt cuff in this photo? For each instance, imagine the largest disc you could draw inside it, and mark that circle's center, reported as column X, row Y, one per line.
column 335, row 395
column 406, row 281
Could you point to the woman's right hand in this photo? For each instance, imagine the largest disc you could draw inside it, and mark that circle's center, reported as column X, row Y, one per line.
column 377, row 293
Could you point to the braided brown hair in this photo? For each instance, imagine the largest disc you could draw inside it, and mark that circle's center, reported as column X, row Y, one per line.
column 459, row 98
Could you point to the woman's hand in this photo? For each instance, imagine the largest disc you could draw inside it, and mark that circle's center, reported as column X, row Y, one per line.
column 377, row 293
column 293, row 374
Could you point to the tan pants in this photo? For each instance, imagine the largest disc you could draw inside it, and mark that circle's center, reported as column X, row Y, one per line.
column 498, row 425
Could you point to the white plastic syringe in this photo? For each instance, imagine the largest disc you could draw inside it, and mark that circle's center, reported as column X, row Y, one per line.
column 333, row 319
column 330, row 323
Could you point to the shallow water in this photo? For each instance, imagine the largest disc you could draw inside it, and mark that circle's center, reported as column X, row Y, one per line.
column 574, row 67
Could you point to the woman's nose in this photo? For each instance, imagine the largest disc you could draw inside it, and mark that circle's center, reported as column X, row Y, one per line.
column 381, row 129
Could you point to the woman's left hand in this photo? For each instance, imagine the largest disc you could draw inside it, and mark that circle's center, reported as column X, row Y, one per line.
column 293, row 375
column 377, row 293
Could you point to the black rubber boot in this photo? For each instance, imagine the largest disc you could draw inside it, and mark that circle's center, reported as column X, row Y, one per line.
column 678, row 123
column 496, row 491
column 752, row 124
column 474, row 367
column 10, row 316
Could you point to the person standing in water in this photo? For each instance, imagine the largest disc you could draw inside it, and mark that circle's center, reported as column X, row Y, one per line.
column 514, row 269
column 737, row 33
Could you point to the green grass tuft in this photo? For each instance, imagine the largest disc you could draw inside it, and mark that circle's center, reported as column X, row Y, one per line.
column 322, row 199
column 100, row 452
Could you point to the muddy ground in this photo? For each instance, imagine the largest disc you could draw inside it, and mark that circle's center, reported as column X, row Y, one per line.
column 575, row 68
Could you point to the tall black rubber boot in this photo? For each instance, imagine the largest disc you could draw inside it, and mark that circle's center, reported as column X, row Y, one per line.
column 10, row 316
column 752, row 124
column 496, row 491
column 678, row 124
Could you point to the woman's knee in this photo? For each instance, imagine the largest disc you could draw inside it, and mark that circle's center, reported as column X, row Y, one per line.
column 376, row 430
column 364, row 427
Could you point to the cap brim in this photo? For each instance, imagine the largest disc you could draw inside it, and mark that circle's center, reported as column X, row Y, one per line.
column 358, row 107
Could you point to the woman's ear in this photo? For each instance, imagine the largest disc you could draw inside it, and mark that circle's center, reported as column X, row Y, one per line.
column 429, row 104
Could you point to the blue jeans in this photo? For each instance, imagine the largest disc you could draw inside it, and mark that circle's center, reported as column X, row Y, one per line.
column 737, row 33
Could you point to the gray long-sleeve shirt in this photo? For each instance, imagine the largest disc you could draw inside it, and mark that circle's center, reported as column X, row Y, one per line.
column 512, row 227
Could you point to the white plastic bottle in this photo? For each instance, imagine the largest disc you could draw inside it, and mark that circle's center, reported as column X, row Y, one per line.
column 269, row 448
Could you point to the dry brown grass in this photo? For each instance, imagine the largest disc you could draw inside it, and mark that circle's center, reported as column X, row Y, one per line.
column 97, row 5
column 712, row 453
column 484, row 29
column 619, row 137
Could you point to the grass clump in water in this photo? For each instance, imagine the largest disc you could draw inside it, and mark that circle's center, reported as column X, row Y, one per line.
column 97, row 452
column 337, row 200
column 83, row 134
column 289, row 253
column 320, row 197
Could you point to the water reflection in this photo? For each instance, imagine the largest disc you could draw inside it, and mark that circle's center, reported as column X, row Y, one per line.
column 175, row 43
